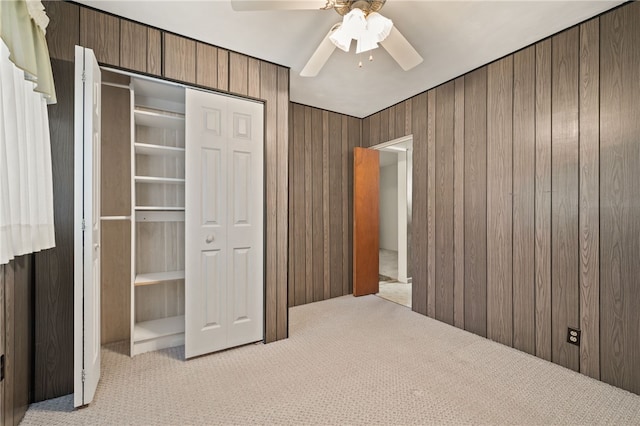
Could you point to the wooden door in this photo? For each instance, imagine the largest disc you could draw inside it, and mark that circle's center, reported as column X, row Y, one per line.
column 86, row 227
column 366, row 217
column 223, row 223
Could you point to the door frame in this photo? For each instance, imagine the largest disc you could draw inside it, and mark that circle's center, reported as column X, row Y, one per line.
column 407, row 140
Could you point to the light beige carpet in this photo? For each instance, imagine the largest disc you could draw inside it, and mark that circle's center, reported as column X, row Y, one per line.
column 348, row 361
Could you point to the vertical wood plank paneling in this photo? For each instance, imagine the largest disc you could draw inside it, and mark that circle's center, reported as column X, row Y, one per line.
column 443, row 209
column 499, row 200
column 291, row 265
column 524, row 150
column 269, row 83
column 392, row 123
column 431, row 203
column 355, row 140
column 223, row 69
column 419, row 207
column 179, row 58
column 374, row 132
column 116, row 151
column 366, row 131
column 238, row 73
column 115, row 289
column 282, row 127
column 619, row 217
column 253, row 89
column 335, row 203
column 458, row 204
column 133, row 46
column 308, row 208
column 408, row 124
column 298, row 204
column 326, row 244
column 23, row 350
column 54, row 267
column 154, row 51
column 206, row 65
column 9, row 341
column 564, row 202
column 475, row 201
column 543, row 200
column 318, row 191
column 590, row 198
column 345, row 204
column 62, row 35
column 115, row 281
column 401, row 120
column 384, row 125
column 101, row 32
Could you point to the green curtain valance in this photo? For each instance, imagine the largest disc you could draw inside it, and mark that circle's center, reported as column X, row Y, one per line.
column 26, row 41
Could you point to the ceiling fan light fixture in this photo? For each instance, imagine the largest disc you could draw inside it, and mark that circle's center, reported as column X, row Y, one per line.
column 378, row 26
column 366, row 43
column 354, row 25
column 341, row 39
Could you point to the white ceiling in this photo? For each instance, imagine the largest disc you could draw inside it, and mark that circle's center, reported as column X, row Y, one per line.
column 453, row 37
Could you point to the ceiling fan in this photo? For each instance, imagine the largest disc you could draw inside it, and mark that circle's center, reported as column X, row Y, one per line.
column 361, row 22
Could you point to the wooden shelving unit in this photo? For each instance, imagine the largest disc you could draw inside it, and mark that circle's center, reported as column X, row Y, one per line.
column 158, row 275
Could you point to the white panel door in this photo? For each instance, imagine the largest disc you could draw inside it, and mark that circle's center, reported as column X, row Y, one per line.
column 87, row 115
column 223, row 222
column 245, row 236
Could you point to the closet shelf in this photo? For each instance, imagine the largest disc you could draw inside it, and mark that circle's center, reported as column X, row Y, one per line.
column 159, row 209
column 155, row 329
column 158, row 277
column 160, row 214
column 158, row 119
column 158, row 179
column 150, row 149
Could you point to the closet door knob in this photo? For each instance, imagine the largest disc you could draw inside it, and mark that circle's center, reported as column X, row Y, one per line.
column 209, row 239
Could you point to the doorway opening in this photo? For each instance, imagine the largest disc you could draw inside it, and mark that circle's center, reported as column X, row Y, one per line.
column 395, row 219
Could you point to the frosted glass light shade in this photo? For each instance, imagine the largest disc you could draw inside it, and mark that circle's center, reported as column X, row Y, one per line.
column 378, row 28
column 354, row 24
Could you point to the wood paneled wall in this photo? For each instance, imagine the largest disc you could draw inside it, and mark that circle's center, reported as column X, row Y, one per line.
column 320, row 203
column 115, row 269
column 619, row 195
column 525, row 189
column 132, row 46
column 16, row 337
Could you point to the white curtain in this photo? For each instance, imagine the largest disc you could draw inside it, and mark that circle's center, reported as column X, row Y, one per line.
column 26, row 189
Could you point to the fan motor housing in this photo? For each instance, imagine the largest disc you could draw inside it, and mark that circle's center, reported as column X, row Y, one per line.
column 367, row 6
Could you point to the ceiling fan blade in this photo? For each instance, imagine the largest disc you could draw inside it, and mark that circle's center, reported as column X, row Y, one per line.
column 251, row 5
column 401, row 50
column 320, row 56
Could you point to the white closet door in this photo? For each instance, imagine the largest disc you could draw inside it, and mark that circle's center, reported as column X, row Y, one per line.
column 245, row 236
column 86, row 227
column 223, row 222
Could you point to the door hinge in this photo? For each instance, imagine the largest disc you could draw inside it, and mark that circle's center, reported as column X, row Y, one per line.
column 84, row 76
column 84, row 376
column 84, row 225
column 1, row 367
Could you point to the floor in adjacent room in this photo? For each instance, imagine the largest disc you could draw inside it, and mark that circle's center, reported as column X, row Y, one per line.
column 390, row 288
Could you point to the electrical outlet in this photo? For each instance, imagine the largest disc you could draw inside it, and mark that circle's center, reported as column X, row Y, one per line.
column 573, row 336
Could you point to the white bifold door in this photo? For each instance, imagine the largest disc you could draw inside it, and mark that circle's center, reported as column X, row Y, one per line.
column 224, row 215
column 86, row 316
